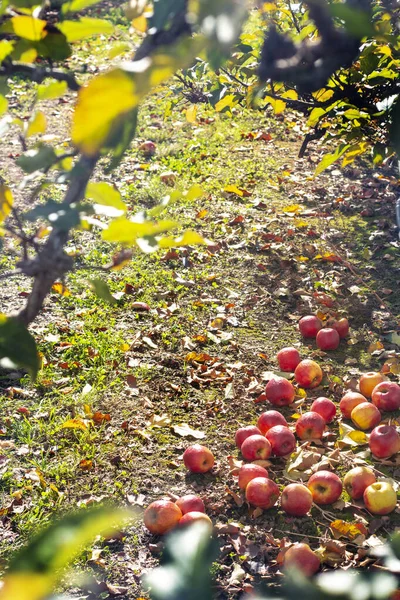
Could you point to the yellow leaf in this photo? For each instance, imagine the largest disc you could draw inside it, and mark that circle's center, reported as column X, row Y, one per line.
column 105, row 194
column 277, row 105
column 233, row 189
column 6, row 201
column 118, row 48
column 293, row 208
column 351, row 531
column 126, row 232
column 194, row 192
column 60, row 288
column 291, row 94
column 52, row 90
column 16, row 586
column 6, row 48
column 140, row 24
column 28, row 56
column 3, row 104
column 84, row 28
column 29, row 28
column 189, row 238
column 75, row 424
column 323, row 94
column 37, row 124
column 228, row 101
column 356, row 438
column 191, row 113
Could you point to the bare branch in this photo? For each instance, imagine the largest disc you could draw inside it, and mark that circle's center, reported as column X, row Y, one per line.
column 39, row 74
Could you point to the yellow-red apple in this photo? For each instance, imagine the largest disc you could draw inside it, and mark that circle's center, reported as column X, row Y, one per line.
column 262, row 492
column 301, row 557
column 256, row 447
column 325, row 408
column 365, row 416
column 245, row 432
column 368, row 382
column 281, row 439
column 161, row 516
column 309, row 326
column 342, row 327
column 310, row 426
column 198, row 459
column 380, row 498
column 350, row 401
column 384, row 441
column 296, row 500
column 288, row 359
column 357, row 480
column 193, row 516
column 148, row 148
column 279, row 391
column 249, row 472
column 269, row 419
column 190, row 503
column 325, row 487
column 308, row 374
column 386, row 396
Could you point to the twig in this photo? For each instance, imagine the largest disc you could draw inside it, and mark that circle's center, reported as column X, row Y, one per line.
column 232, row 76
column 38, row 74
column 9, row 274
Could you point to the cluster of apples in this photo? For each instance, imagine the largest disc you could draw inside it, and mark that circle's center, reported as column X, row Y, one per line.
column 327, row 338
column 162, row 516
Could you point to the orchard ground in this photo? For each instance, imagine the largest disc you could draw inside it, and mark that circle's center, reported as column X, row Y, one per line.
column 123, row 391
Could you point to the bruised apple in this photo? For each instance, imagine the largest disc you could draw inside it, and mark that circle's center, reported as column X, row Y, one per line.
column 327, row 339
column 380, row 498
column 269, row 419
column 365, row 416
column 262, row 492
column 309, row 326
column 288, row 359
column 281, row 439
column 190, row 503
column 308, row 374
column 256, row 447
column 325, row 487
column 161, row 516
column 368, row 383
column 357, row 480
column 198, row 459
column 325, row 408
column 386, row 396
column 296, row 500
column 279, row 391
column 350, row 401
column 249, row 472
column 310, row 426
column 384, row 441
column 245, row 432
column 301, row 557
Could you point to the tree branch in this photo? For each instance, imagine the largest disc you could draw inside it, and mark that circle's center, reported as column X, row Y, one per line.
column 38, row 74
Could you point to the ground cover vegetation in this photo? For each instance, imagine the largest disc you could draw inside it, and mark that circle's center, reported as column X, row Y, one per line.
column 193, row 187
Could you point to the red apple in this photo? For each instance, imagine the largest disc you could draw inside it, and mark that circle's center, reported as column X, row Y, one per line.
column 327, row 339
column 308, row 374
column 325, row 487
column 148, row 148
column 365, row 416
column 168, row 177
column 262, row 492
column 198, row 459
column 384, row 441
column 309, row 326
column 380, row 498
column 281, row 439
column 356, row 480
column 161, row 516
column 279, row 391
column 386, row 396
column 195, row 515
column 249, row 472
column 342, row 327
column 256, row 447
column 325, row 408
column 310, row 426
column 301, row 557
column 369, row 381
column 296, row 500
column 350, row 401
column 190, row 503
column 288, row 359
column 245, row 432
column 269, row 419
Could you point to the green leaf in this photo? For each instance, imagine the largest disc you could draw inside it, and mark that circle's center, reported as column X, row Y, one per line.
column 329, row 159
column 52, row 90
column 164, row 12
column 40, row 158
column 357, row 22
column 54, row 46
column 315, row 116
column 84, row 28
column 102, row 290
column 394, row 128
column 17, row 346
column 60, row 215
column 126, row 232
column 106, row 195
column 77, row 5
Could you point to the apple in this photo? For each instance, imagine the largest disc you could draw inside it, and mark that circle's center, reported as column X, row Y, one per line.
column 161, row 516
column 310, row 426
column 296, row 500
column 327, row 339
column 342, row 327
column 325, row 408
column 325, row 487
column 269, row 419
column 198, row 459
column 365, row 416
column 281, row 439
column 279, row 391
column 245, row 432
column 380, row 498
column 262, row 492
column 249, row 472
column 309, row 326
column 195, row 515
column 256, row 447
column 288, row 359
column 384, row 441
column 148, row 148
column 356, row 480
column 308, row 374
column 168, row 177
column 350, row 401
column 190, row 503
column 386, row 396
column 301, row 557
column 368, row 382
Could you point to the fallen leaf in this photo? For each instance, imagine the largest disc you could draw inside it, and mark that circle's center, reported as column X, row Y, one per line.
column 184, row 430
column 351, row 531
column 75, row 424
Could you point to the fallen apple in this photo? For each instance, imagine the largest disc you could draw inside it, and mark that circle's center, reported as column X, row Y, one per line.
column 269, row 419
column 148, row 148
column 262, row 492
column 288, row 359
column 193, row 516
column 310, row 426
column 301, row 557
column 350, row 401
column 386, row 396
column 327, row 339
column 342, row 327
column 380, row 498
column 368, row 383
column 384, row 441
column 190, row 503
column 198, row 459
column 279, row 391
column 325, row 408
column 357, row 480
column 256, row 447
column 244, row 432
column 281, row 439
column 308, row 374
column 325, row 487
column 296, row 500
column 309, row 326
column 249, row 472
column 161, row 516
column 365, row 416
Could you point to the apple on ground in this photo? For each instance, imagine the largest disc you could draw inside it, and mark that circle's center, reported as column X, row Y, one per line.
column 368, row 382
column 161, row 516
column 380, row 498
column 301, row 557
column 288, row 359
column 198, row 459
column 342, row 327
column 269, row 419
column 386, row 396
column 308, row 374
column 309, row 326
column 350, row 401
column 384, row 441
column 357, row 480
column 262, row 492
column 279, row 391
column 296, row 500
column 190, row 503
column 365, row 416
column 325, row 408
column 256, row 447
column 168, row 177
column 327, row 339
column 249, row 472
column 310, row 426
column 245, row 432
column 148, row 148
column 325, row 487
column 193, row 516
column 281, row 439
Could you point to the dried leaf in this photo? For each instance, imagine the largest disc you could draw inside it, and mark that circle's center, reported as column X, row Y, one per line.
column 75, row 424
column 351, row 531
column 184, row 430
